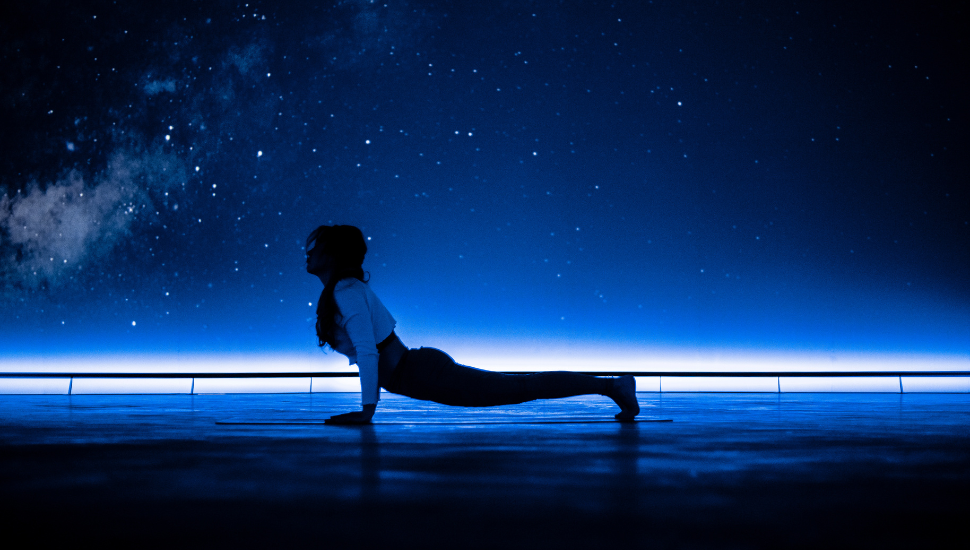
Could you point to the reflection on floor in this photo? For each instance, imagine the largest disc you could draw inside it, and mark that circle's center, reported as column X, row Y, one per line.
column 747, row 470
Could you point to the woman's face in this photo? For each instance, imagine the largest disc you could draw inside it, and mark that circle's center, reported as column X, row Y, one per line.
column 318, row 263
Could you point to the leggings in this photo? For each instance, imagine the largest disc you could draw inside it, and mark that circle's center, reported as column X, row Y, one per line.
column 432, row 375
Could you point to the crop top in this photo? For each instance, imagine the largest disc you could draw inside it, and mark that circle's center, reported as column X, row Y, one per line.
column 362, row 323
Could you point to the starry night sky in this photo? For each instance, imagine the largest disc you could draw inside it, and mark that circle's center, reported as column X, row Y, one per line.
column 697, row 174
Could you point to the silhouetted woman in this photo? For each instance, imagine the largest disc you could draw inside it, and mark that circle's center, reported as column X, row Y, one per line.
column 353, row 321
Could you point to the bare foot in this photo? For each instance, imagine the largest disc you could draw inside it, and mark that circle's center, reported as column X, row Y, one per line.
column 625, row 395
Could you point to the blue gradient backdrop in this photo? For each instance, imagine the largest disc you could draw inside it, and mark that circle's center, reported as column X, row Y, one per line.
column 784, row 176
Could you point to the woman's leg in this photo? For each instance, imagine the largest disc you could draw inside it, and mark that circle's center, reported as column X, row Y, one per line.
column 432, row 375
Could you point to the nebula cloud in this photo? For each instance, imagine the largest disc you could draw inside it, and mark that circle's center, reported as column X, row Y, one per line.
column 48, row 233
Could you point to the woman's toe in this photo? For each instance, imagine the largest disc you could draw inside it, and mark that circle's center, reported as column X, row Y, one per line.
column 626, row 397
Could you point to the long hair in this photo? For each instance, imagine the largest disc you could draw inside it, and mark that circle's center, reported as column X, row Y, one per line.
column 345, row 245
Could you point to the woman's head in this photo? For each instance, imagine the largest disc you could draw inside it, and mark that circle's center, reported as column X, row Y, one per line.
column 333, row 250
column 333, row 253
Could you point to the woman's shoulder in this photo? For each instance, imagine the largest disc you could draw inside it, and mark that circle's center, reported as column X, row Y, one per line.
column 352, row 295
column 350, row 284
column 349, row 287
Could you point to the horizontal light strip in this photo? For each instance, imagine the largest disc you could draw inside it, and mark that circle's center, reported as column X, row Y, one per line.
column 600, row 361
column 355, row 374
column 656, row 370
column 62, row 385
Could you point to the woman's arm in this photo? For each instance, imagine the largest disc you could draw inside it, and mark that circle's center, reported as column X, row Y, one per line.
column 362, row 337
column 356, row 321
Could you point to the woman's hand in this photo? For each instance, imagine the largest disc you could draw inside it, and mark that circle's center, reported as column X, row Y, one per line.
column 356, row 417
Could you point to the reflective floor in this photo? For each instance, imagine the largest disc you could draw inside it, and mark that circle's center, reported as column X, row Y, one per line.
column 729, row 471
